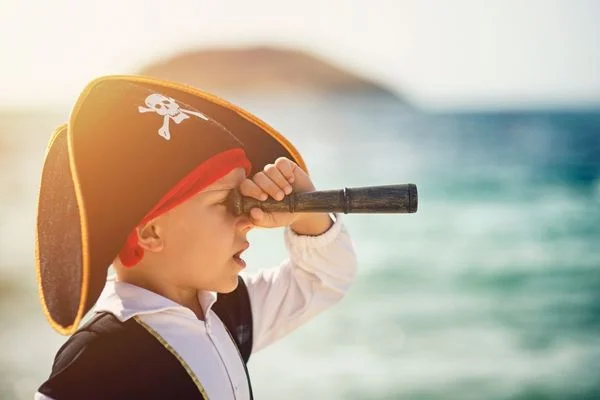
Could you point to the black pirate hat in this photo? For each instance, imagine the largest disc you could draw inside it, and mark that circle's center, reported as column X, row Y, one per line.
column 129, row 141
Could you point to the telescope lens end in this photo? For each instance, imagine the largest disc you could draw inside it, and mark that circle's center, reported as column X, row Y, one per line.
column 413, row 198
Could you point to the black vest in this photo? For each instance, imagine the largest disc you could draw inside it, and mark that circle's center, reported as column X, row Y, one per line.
column 110, row 359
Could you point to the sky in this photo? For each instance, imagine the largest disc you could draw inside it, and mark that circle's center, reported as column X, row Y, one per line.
column 441, row 54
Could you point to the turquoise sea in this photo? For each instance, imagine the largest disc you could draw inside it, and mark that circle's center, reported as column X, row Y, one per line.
column 490, row 291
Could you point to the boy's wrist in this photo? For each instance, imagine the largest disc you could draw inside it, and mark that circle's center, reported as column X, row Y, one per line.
column 312, row 224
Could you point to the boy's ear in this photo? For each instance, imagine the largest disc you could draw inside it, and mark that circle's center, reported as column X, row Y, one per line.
column 149, row 237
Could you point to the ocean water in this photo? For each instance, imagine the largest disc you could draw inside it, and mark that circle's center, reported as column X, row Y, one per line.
column 490, row 291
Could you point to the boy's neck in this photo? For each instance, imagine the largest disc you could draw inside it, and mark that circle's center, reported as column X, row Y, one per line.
column 187, row 297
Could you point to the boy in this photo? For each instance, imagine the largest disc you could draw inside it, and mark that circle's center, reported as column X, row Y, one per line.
column 139, row 179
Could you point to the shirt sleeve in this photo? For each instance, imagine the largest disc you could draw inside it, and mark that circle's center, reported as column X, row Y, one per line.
column 317, row 274
column 40, row 396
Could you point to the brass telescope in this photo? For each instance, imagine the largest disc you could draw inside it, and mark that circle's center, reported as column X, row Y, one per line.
column 399, row 199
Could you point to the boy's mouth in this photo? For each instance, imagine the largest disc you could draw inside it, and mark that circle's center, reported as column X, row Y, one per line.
column 239, row 261
column 237, row 256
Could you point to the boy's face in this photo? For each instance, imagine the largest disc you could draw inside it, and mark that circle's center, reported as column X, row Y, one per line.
column 200, row 238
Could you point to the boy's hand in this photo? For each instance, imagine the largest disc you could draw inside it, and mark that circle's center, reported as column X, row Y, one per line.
column 277, row 180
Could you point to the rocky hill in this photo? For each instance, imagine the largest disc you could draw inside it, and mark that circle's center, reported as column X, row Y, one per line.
column 263, row 70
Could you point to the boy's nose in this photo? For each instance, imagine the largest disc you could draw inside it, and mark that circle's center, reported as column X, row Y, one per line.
column 245, row 223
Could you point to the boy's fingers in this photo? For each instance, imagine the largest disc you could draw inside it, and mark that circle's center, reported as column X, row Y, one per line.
column 251, row 189
column 257, row 214
column 286, row 167
column 276, row 176
column 267, row 185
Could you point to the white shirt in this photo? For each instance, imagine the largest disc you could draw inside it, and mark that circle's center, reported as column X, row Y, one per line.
column 317, row 274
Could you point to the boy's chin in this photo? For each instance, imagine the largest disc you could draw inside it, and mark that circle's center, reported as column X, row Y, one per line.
column 228, row 286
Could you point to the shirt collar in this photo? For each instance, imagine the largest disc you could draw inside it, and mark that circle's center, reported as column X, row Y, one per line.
column 125, row 301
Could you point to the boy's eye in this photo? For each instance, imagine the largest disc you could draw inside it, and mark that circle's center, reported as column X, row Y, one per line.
column 224, row 203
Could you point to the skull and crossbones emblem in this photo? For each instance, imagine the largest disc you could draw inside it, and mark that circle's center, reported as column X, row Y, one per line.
column 167, row 108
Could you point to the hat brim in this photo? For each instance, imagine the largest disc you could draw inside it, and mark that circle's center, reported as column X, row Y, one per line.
column 71, row 273
column 62, row 263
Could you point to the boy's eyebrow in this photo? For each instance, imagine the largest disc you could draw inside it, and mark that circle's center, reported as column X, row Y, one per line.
column 221, row 189
column 227, row 190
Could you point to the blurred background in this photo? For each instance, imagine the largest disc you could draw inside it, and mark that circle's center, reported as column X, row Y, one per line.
column 489, row 291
